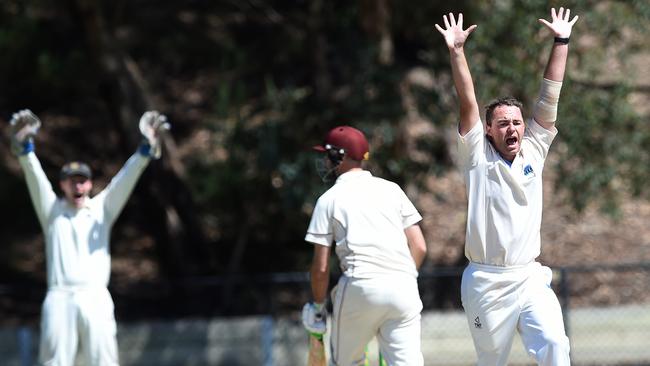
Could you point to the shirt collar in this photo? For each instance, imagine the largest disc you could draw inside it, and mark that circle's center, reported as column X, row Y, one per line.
column 70, row 207
column 354, row 174
column 518, row 157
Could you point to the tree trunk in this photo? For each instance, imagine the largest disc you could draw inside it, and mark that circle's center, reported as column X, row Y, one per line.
column 322, row 79
column 178, row 231
column 375, row 20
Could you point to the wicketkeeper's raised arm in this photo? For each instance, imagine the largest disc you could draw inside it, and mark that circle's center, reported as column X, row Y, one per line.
column 455, row 38
column 152, row 126
column 545, row 110
column 22, row 128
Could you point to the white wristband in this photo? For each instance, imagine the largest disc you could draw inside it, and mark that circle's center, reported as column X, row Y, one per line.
column 545, row 109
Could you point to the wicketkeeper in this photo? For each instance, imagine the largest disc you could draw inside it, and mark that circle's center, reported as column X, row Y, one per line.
column 373, row 228
column 78, row 309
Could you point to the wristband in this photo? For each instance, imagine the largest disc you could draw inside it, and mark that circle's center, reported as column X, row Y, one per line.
column 561, row 40
column 28, row 146
column 145, row 149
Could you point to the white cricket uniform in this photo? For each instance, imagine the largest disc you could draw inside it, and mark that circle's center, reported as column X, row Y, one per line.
column 78, row 307
column 377, row 295
column 503, row 288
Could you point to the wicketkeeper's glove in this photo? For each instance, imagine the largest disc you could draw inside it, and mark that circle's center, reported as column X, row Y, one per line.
column 314, row 318
column 152, row 125
column 22, row 128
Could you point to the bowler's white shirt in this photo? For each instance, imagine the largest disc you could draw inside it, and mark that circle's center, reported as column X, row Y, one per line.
column 504, row 202
column 365, row 217
column 77, row 240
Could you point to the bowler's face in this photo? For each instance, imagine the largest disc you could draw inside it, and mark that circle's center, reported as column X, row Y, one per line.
column 507, row 130
column 76, row 189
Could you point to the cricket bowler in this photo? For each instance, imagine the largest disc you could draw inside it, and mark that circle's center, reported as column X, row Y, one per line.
column 373, row 228
column 503, row 288
column 78, row 309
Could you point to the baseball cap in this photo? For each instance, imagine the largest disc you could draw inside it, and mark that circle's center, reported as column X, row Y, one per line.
column 75, row 168
column 352, row 141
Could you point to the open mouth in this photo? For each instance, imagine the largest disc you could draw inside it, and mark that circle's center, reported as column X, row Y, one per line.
column 78, row 195
column 511, row 141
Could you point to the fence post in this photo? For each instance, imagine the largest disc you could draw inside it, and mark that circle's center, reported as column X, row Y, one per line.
column 564, row 296
column 25, row 346
column 267, row 341
column 564, row 303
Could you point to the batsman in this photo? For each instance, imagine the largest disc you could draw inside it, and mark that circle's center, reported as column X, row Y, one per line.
column 78, row 309
column 373, row 228
column 504, row 289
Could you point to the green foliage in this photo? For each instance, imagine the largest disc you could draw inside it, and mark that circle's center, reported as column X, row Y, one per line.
column 606, row 155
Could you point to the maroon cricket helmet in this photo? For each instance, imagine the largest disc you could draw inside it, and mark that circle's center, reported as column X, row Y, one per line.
column 352, row 141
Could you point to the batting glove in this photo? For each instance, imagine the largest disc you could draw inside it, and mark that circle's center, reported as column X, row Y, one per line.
column 152, row 125
column 22, row 128
column 314, row 318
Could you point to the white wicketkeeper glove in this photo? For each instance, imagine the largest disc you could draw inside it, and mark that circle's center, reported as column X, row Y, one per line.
column 22, row 128
column 152, row 125
column 314, row 318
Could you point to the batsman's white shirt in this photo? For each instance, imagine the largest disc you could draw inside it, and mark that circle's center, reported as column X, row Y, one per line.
column 504, row 202
column 77, row 241
column 377, row 296
column 365, row 216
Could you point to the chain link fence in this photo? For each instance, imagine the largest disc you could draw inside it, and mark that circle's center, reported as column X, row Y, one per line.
column 606, row 309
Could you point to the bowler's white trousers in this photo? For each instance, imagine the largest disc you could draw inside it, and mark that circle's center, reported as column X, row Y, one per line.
column 501, row 300
column 387, row 307
column 78, row 315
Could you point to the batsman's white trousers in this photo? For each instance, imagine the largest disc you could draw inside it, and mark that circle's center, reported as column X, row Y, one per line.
column 501, row 300
column 387, row 307
column 78, row 315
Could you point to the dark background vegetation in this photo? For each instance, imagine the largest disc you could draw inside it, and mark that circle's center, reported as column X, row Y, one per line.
column 249, row 86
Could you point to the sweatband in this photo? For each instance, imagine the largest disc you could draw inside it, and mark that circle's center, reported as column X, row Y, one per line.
column 145, row 149
column 28, row 146
column 561, row 40
column 545, row 109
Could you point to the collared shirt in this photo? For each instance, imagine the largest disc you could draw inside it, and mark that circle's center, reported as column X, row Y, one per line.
column 77, row 240
column 365, row 217
column 504, row 202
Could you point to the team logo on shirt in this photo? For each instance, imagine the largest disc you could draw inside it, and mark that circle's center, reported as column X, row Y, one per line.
column 528, row 169
column 477, row 323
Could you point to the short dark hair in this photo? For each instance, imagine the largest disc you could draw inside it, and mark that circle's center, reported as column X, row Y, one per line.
column 508, row 101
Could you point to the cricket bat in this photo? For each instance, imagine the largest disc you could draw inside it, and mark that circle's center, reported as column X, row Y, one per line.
column 381, row 360
column 316, row 350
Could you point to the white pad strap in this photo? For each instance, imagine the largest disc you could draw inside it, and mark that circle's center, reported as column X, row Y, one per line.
column 545, row 109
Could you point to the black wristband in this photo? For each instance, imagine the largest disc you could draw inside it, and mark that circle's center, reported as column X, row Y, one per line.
column 561, row 40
